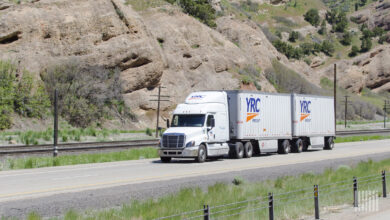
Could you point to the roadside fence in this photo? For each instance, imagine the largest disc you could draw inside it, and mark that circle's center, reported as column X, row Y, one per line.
column 361, row 188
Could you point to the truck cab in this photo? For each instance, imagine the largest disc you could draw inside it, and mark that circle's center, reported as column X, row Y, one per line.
column 199, row 128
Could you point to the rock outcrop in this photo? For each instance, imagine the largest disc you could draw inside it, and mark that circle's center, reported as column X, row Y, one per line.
column 371, row 70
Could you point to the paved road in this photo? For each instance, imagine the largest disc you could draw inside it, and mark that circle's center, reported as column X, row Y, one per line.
column 51, row 191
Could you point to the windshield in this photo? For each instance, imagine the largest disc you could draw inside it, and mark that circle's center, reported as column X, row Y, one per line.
column 188, row 120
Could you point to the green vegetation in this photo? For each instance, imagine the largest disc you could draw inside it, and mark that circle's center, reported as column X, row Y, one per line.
column 62, row 160
column 293, row 36
column 347, row 38
column 286, row 80
column 143, row 5
column 200, row 9
column 354, row 51
column 86, row 94
column 323, row 30
column 360, row 138
column 24, row 95
column 65, row 134
column 312, row 17
column 250, row 74
column 194, row 198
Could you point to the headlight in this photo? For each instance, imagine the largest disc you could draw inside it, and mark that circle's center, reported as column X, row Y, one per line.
column 190, row 144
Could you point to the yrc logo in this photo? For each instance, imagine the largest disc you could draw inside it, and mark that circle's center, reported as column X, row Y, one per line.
column 196, row 97
column 305, row 110
column 252, row 108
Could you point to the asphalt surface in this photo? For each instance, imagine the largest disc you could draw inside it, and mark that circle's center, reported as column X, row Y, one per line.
column 53, row 191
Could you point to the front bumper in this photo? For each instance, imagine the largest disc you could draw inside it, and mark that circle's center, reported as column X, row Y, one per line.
column 184, row 152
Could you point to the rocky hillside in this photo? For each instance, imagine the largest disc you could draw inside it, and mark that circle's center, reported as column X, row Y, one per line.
column 154, row 43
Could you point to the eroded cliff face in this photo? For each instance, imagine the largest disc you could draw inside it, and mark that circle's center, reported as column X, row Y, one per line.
column 158, row 46
column 371, row 70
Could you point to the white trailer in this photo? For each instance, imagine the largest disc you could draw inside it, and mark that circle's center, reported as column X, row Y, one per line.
column 240, row 123
column 313, row 121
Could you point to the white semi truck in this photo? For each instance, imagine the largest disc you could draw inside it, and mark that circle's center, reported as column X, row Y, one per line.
column 242, row 123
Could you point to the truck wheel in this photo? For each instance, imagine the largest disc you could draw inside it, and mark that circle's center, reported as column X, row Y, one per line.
column 285, row 147
column 329, row 143
column 248, row 150
column 239, row 150
column 298, row 146
column 165, row 159
column 202, row 154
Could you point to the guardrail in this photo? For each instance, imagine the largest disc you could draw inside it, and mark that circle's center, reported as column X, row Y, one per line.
column 271, row 201
column 47, row 148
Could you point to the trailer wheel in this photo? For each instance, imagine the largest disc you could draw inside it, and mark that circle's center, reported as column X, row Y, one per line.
column 165, row 159
column 239, row 150
column 202, row 154
column 248, row 150
column 298, row 146
column 285, row 147
column 329, row 143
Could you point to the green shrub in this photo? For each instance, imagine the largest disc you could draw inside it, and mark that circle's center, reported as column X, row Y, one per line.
column 85, row 93
column 148, row 131
column 200, row 9
column 24, row 96
column 347, row 38
column 327, row 47
column 245, row 80
column 322, row 30
column 286, row 80
column 288, row 50
column 354, row 51
column 382, row 39
column 366, row 44
column 312, row 17
column 7, row 91
column 293, row 36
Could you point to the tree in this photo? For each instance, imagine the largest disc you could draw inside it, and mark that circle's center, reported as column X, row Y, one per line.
column 342, row 22
column 327, row 47
column 331, row 16
column 312, row 17
column 306, row 48
column 322, row 30
column 293, row 36
column 356, row 6
column 366, row 44
column 378, row 31
column 363, row 2
column 347, row 38
column 354, row 51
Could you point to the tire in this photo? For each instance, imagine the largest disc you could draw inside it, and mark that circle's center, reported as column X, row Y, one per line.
column 239, row 150
column 298, row 146
column 248, row 150
column 329, row 143
column 165, row 159
column 285, row 147
column 202, row 154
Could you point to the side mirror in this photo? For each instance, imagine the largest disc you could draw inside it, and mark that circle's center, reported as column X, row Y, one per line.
column 168, row 123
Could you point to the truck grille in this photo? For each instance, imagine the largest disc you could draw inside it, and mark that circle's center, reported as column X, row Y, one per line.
column 173, row 141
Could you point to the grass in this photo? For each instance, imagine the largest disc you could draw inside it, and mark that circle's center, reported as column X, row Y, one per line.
column 65, row 134
column 286, row 206
column 361, row 138
column 36, row 162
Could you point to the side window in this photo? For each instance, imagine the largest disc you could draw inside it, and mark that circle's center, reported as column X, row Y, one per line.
column 209, row 120
column 175, row 121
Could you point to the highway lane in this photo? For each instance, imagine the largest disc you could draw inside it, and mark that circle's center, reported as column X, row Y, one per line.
column 23, row 184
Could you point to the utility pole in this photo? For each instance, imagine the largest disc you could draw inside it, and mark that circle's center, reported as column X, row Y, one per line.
column 385, row 108
column 334, row 94
column 159, row 96
column 55, row 147
column 346, row 102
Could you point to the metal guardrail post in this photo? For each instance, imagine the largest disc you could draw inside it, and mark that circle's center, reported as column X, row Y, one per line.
column 384, row 183
column 206, row 212
column 316, row 203
column 355, row 192
column 271, row 206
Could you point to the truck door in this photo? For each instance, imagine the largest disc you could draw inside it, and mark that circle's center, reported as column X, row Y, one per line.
column 210, row 129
